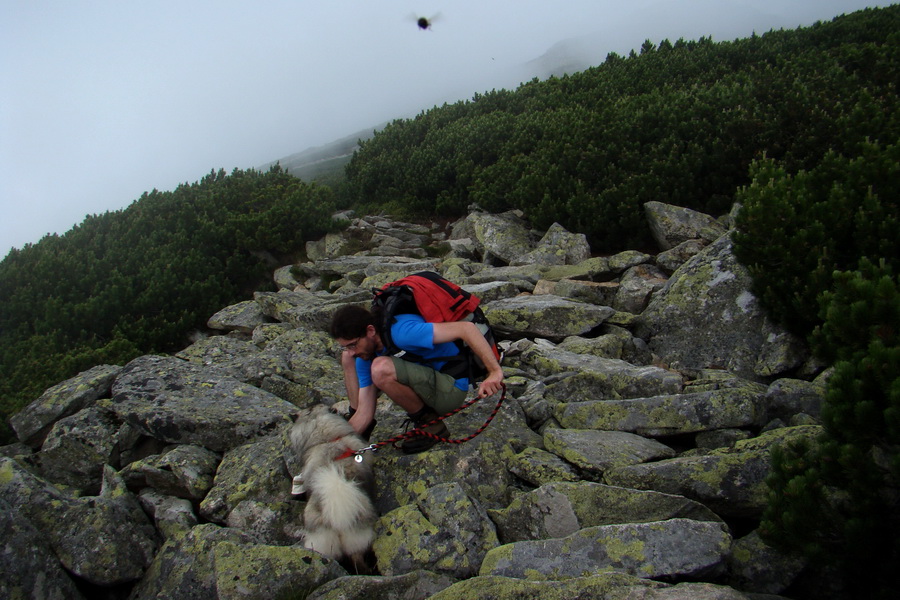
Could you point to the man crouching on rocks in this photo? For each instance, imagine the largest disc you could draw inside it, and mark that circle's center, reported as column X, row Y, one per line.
column 420, row 389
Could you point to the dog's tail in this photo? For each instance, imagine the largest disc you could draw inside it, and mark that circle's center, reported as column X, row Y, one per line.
column 344, row 504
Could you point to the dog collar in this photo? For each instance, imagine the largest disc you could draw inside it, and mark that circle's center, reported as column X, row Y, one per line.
column 346, row 454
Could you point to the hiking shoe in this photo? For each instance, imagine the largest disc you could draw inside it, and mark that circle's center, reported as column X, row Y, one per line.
column 418, row 443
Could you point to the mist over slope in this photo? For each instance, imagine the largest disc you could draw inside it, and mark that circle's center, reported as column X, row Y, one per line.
column 731, row 19
column 565, row 57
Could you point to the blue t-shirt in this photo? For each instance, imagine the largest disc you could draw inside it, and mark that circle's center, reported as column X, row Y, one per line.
column 413, row 334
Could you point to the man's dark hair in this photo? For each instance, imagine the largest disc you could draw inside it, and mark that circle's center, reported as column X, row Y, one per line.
column 350, row 322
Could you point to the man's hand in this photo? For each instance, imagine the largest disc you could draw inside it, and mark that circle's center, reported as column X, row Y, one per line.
column 491, row 385
column 470, row 334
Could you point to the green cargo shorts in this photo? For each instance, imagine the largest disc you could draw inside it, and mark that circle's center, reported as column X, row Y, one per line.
column 436, row 389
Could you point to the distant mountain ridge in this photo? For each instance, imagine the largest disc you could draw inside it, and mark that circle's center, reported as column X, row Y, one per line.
column 317, row 161
column 313, row 163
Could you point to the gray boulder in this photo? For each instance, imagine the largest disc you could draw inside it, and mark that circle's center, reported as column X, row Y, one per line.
column 330, row 246
column 253, row 471
column 559, row 509
column 502, row 237
column 637, row 286
column 106, row 540
column 64, row 399
column 788, row 397
column 594, row 377
column 300, row 309
column 247, row 570
column 172, row 516
column 241, row 359
column 463, row 248
column 446, row 531
column 311, row 359
column 601, row 293
column 669, row 414
column 28, row 566
column 222, row 562
column 494, row 290
column 78, row 448
column 707, row 317
column 538, row 467
column 594, row 452
column 243, row 317
column 730, row 481
column 671, row 259
column 544, row 316
column 417, row 585
column 273, row 523
column 484, row 477
column 528, row 275
column 614, row 342
column 672, row 548
column 611, row 586
column 363, row 265
column 185, row 471
column 181, row 403
column 756, row 567
column 671, row 225
column 557, row 247
column 621, row 262
column 285, row 279
column 265, row 333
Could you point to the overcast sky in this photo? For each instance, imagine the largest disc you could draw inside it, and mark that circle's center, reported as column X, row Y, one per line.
column 102, row 100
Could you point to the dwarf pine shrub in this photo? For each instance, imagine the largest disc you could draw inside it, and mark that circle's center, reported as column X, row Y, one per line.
column 835, row 501
column 794, row 231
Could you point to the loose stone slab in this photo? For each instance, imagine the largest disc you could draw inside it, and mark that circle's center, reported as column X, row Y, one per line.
column 561, row 508
column 677, row 547
column 596, row 451
column 729, row 481
column 545, row 316
column 667, row 415
column 595, row 378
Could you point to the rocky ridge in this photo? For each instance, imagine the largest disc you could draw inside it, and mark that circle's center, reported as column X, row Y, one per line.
column 645, row 393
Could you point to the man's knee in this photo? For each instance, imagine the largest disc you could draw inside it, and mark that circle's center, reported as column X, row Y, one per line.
column 348, row 361
column 383, row 370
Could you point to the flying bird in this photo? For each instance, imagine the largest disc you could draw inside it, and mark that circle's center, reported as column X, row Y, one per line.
column 424, row 23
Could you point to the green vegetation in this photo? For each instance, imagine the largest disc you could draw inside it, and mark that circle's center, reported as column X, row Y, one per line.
column 821, row 243
column 815, row 222
column 140, row 280
column 678, row 123
column 835, row 501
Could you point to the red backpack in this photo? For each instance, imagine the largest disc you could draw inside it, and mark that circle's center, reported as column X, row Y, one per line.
column 437, row 300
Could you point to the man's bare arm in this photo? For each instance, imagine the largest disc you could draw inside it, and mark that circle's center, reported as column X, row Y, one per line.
column 365, row 409
column 469, row 333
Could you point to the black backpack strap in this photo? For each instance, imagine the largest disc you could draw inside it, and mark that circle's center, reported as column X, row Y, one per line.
column 386, row 304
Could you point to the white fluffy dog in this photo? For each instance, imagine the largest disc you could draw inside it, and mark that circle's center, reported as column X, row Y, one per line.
column 339, row 516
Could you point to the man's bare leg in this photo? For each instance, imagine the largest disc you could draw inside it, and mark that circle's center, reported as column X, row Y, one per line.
column 384, row 375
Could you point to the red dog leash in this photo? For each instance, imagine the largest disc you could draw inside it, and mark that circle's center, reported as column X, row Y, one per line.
column 419, row 430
